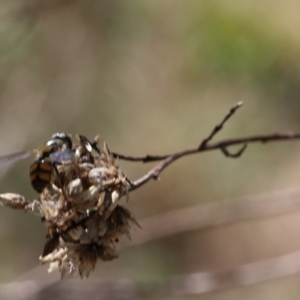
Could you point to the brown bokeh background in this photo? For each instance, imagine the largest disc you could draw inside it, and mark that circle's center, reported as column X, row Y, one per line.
column 155, row 77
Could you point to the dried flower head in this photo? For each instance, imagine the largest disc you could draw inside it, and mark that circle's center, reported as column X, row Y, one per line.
column 80, row 209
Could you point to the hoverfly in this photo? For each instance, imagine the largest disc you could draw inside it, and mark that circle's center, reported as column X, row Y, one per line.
column 55, row 151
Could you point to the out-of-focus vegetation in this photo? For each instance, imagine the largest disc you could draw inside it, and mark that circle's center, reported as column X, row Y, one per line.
column 155, row 77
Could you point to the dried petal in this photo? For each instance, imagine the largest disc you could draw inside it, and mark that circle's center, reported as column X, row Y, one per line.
column 15, row 201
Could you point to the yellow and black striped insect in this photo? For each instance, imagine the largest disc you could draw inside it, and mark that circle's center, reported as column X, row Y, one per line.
column 55, row 151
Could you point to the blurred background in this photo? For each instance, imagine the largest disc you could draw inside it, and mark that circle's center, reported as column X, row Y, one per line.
column 154, row 77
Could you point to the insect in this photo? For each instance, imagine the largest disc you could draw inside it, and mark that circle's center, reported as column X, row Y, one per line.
column 55, row 151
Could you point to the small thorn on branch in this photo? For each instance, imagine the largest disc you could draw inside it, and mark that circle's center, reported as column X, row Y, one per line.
column 233, row 155
column 220, row 126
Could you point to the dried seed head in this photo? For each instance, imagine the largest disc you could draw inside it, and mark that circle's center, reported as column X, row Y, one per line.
column 81, row 210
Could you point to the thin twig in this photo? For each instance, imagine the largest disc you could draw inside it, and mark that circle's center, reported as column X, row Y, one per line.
column 205, row 145
column 263, row 138
column 220, row 126
column 217, row 128
column 221, row 145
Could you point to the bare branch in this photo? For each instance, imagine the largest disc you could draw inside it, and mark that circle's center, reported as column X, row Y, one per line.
column 217, row 128
column 166, row 160
column 263, row 138
column 221, row 145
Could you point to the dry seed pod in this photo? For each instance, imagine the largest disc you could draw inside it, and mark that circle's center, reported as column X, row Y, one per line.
column 85, row 220
column 80, row 209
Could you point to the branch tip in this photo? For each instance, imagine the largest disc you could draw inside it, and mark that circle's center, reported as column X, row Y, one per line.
column 233, row 110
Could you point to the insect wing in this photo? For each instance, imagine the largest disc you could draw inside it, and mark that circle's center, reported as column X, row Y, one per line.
column 62, row 156
column 4, row 159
